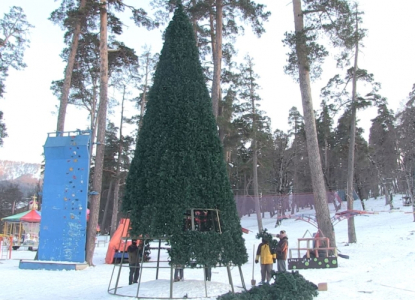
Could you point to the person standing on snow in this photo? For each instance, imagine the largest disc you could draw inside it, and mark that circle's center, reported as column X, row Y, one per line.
column 267, row 259
column 178, row 273
column 134, row 262
column 282, row 250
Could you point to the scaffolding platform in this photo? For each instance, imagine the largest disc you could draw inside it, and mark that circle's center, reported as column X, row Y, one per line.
column 315, row 254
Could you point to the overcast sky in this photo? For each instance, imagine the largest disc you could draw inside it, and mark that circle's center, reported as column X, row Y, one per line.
column 29, row 106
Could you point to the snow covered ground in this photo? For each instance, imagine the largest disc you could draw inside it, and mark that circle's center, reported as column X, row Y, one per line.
column 380, row 266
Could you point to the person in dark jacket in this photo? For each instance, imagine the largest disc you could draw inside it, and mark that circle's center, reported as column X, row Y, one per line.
column 282, row 250
column 133, row 261
column 267, row 259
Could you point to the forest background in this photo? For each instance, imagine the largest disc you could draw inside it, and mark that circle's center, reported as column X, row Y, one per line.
column 384, row 144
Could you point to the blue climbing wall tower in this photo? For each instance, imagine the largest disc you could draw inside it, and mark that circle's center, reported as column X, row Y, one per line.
column 65, row 197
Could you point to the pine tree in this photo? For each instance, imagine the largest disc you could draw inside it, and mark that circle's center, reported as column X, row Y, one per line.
column 324, row 123
column 282, row 160
column 14, row 30
column 258, row 124
column 81, row 17
column 215, row 24
column 299, row 169
column 178, row 162
column 305, row 59
column 10, row 196
column 76, row 32
column 406, row 131
column 362, row 164
column 384, row 152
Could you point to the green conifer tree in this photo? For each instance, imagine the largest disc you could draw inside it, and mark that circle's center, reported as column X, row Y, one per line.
column 178, row 162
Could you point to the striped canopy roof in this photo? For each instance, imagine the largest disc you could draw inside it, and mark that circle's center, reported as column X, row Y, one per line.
column 32, row 216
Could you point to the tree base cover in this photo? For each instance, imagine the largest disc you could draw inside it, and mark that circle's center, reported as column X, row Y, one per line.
column 312, row 263
column 286, row 286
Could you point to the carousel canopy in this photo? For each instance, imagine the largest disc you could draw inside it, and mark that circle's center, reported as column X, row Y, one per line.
column 31, row 216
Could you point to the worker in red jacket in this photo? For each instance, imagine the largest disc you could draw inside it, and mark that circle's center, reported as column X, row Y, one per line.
column 282, row 250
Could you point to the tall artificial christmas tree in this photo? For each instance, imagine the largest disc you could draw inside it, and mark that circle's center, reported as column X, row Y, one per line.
column 178, row 163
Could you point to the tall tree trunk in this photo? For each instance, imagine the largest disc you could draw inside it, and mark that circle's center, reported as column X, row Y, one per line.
column 294, row 203
column 382, row 180
column 93, row 122
column 194, row 24
column 212, row 33
column 144, row 99
column 326, row 158
column 410, row 187
column 68, row 72
column 114, row 218
column 388, row 199
column 217, row 59
column 102, row 118
column 352, row 142
column 255, row 163
column 319, row 191
column 104, row 217
column 115, row 206
column 411, row 194
column 337, row 207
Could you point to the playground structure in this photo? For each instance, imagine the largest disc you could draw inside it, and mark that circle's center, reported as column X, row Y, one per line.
column 118, row 244
column 335, row 219
column 281, row 204
column 23, row 228
column 64, row 202
column 6, row 242
column 65, row 196
column 315, row 254
column 195, row 219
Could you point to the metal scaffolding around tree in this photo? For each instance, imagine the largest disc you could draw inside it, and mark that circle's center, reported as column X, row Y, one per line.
column 195, row 219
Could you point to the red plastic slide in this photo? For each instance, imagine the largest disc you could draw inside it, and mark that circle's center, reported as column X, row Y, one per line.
column 116, row 243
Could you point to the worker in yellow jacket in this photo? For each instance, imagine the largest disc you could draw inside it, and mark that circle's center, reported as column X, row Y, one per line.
column 267, row 257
